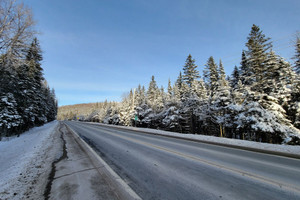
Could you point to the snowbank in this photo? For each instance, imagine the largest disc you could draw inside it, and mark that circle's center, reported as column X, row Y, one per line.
column 25, row 160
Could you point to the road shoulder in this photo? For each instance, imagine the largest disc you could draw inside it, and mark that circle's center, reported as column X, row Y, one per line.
column 83, row 175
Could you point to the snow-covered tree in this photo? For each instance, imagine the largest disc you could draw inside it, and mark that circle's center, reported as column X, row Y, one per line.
column 127, row 109
column 297, row 56
column 258, row 46
column 262, row 119
column 235, row 77
column 294, row 104
column 211, row 75
column 10, row 119
column 219, row 102
column 246, row 73
column 190, row 72
column 24, row 87
column 152, row 91
column 155, row 97
column 169, row 92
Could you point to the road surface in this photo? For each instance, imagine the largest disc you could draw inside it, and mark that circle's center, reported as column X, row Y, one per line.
column 158, row 167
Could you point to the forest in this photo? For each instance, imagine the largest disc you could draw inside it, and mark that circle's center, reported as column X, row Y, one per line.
column 26, row 99
column 260, row 101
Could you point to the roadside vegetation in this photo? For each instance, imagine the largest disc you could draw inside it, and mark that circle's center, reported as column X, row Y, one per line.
column 25, row 97
column 260, row 101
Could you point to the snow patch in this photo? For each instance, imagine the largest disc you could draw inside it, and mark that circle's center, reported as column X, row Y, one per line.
column 24, row 160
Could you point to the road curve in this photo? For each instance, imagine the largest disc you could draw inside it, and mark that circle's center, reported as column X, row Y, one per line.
column 158, row 167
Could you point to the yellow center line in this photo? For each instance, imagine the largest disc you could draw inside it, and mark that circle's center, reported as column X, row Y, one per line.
column 238, row 171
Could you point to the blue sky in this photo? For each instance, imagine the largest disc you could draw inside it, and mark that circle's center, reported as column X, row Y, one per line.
column 100, row 49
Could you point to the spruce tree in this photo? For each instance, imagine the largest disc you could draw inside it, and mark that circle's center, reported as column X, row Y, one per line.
column 297, row 56
column 211, row 74
column 170, row 91
column 221, row 71
column 257, row 54
column 181, row 86
column 235, row 77
column 190, row 72
column 34, row 58
column 246, row 74
column 153, row 94
column 219, row 101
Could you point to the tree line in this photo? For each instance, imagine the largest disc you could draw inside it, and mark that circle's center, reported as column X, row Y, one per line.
column 260, row 101
column 25, row 97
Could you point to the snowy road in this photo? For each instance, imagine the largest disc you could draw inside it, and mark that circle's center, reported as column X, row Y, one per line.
column 158, row 167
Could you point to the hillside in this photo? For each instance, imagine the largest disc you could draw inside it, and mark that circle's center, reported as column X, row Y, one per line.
column 81, row 111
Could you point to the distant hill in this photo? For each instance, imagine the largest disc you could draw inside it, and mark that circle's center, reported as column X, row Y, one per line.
column 81, row 111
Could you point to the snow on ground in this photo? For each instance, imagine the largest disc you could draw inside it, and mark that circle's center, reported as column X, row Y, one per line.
column 25, row 162
column 236, row 142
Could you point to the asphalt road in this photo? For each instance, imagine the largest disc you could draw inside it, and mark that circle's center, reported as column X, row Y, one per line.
column 158, row 167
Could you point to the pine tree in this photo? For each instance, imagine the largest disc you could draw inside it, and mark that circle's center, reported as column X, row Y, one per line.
column 238, row 93
column 221, row 71
column 235, row 77
column 297, row 56
column 268, row 81
column 127, row 111
column 176, row 94
column 10, row 119
column 153, row 94
column 170, row 91
column 246, row 74
column 181, row 86
column 294, row 104
column 190, row 72
column 211, row 74
column 222, row 75
column 34, row 58
column 219, row 102
column 257, row 54
column 152, row 90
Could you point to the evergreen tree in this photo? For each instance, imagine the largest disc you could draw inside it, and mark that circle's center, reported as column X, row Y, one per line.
column 34, row 58
column 268, row 82
column 222, row 76
column 219, row 102
column 297, row 56
column 211, row 74
column 170, row 91
column 181, row 86
column 152, row 91
column 294, row 104
column 154, row 96
column 10, row 120
column 127, row 111
column 246, row 74
column 176, row 94
column 190, row 71
column 257, row 54
column 221, row 71
column 235, row 77
column 26, row 98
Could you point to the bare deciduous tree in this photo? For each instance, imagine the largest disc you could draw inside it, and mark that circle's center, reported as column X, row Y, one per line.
column 16, row 29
